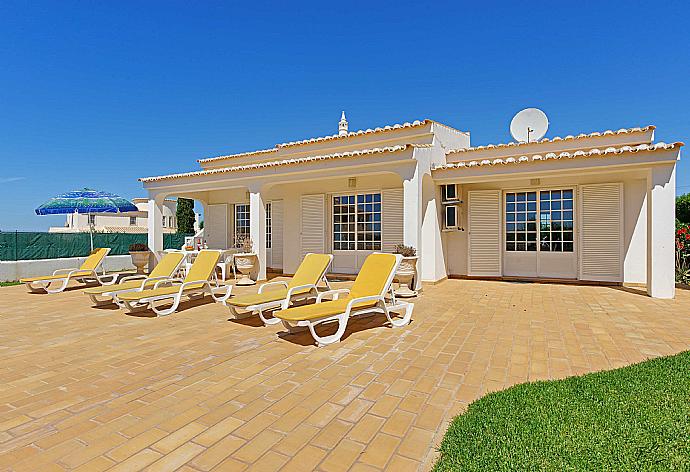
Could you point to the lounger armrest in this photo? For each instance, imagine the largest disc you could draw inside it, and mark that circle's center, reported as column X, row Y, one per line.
column 336, row 294
column 65, row 271
column 356, row 301
column 268, row 284
column 148, row 280
column 167, row 281
column 91, row 272
column 133, row 277
column 195, row 282
column 291, row 292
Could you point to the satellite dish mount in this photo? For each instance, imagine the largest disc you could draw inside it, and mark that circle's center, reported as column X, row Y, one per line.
column 529, row 125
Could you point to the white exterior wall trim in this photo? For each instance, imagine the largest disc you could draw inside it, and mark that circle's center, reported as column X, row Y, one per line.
column 279, row 163
column 555, row 139
column 607, row 152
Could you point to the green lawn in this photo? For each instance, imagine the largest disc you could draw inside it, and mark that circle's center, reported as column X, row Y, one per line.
column 633, row 418
column 7, row 284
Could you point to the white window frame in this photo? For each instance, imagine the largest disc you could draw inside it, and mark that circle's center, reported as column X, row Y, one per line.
column 444, row 193
column 356, row 240
column 456, row 210
column 538, row 190
column 269, row 226
column 241, row 231
column 132, row 221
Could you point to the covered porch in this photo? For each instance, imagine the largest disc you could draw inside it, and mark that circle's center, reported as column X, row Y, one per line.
column 349, row 206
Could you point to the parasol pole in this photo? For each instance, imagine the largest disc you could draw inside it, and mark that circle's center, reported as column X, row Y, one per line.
column 90, row 230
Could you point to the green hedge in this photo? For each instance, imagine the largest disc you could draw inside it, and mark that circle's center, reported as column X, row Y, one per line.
column 16, row 246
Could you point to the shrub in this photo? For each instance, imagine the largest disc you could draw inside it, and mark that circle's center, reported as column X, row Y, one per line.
column 683, row 208
column 138, row 247
column 405, row 251
column 683, row 253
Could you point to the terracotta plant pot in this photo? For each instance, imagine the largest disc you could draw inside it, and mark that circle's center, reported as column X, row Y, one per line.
column 140, row 259
column 244, row 264
column 406, row 273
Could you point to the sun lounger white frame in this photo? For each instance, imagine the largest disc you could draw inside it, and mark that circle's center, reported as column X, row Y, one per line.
column 219, row 293
column 109, row 297
column 44, row 285
column 380, row 307
column 283, row 304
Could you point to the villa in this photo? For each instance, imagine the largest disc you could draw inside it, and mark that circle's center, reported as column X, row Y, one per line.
column 127, row 222
column 591, row 207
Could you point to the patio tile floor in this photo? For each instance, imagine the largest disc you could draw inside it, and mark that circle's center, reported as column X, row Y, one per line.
column 84, row 388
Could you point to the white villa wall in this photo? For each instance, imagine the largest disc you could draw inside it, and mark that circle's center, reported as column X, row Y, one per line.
column 634, row 215
column 15, row 270
column 291, row 195
column 80, row 221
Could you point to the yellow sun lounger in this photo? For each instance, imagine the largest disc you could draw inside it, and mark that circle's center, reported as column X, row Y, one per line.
column 88, row 272
column 310, row 272
column 165, row 269
column 195, row 284
column 367, row 295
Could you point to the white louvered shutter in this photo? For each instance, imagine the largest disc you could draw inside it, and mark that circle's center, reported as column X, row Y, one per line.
column 392, row 218
column 216, row 226
column 485, row 233
column 313, row 234
column 601, row 232
column 277, row 234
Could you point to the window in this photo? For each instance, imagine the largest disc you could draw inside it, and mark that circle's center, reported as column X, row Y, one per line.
column 450, row 216
column 357, row 222
column 92, row 219
column 268, row 226
column 449, row 192
column 241, row 222
column 521, row 221
column 556, row 220
column 132, row 221
column 163, row 221
column 551, row 209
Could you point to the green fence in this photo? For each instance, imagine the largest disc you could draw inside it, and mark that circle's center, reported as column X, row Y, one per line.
column 18, row 245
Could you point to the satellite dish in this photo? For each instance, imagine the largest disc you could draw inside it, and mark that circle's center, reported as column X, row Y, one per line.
column 529, row 125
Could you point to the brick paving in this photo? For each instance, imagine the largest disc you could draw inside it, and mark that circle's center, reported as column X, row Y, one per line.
column 84, row 388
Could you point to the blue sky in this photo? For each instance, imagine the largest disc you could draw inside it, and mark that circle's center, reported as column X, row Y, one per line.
column 100, row 93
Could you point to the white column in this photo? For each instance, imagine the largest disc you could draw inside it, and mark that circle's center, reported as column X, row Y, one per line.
column 257, row 229
column 433, row 264
column 155, row 227
column 412, row 217
column 661, row 223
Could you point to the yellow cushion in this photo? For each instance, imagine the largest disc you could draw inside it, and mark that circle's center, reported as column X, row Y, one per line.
column 132, row 296
column 167, row 265
column 373, row 276
column 164, row 268
column 318, row 310
column 372, row 280
column 270, row 295
column 94, row 259
column 55, row 277
column 203, row 266
column 311, row 270
column 130, row 284
column 89, row 264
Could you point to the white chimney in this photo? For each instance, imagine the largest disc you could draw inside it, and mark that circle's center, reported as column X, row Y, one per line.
column 342, row 125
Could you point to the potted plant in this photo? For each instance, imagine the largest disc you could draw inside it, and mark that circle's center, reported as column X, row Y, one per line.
column 245, row 261
column 407, row 270
column 140, row 256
